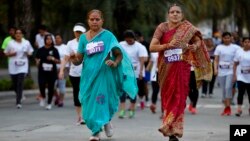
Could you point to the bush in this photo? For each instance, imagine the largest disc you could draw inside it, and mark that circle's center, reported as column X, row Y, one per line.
column 68, row 84
column 29, row 83
column 6, row 84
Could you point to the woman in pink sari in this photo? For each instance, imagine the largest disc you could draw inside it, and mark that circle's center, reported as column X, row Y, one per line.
column 180, row 45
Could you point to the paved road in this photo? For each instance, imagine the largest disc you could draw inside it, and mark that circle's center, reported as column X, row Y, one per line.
column 33, row 123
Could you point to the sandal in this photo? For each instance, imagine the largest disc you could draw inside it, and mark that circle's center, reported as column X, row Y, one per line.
column 94, row 138
column 239, row 112
column 173, row 138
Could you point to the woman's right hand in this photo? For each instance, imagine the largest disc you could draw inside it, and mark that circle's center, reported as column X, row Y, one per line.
column 11, row 53
column 61, row 75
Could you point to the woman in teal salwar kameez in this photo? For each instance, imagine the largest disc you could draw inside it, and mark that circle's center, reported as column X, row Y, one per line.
column 106, row 73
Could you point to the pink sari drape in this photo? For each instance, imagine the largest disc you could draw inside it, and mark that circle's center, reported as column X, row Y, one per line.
column 174, row 80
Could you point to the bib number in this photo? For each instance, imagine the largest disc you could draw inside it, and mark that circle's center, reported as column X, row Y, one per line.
column 224, row 65
column 245, row 70
column 95, row 47
column 19, row 63
column 173, row 55
column 47, row 67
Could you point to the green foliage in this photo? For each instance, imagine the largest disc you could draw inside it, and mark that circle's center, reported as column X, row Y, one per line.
column 68, row 84
column 6, row 84
column 29, row 83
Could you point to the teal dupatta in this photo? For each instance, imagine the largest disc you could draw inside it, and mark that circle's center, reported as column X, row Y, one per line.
column 101, row 85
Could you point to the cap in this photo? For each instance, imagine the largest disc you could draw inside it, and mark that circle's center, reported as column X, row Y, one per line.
column 79, row 28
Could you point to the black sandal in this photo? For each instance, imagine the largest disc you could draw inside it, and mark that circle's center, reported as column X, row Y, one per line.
column 173, row 138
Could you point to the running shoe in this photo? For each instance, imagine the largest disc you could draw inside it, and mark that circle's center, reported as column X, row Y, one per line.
column 49, row 107
column 18, row 106
column 153, row 108
column 131, row 113
column 108, row 128
column 122, row 114
column 42, row 102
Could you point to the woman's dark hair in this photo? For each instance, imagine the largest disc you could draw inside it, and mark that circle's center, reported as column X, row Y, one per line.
column 95, row 10
column 226, row 34
column 21, row 29
column 46, row 37
column 175, row 4
column 245, row 38
column 80, row 24
column 129, row 34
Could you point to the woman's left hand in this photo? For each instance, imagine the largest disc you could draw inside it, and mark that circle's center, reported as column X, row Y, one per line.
column 192, row 47
column 111, row 63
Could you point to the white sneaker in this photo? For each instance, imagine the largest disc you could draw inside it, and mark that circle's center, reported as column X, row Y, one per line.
column 42, row 102
column 23, row 98
column 18, row 106
column 48, row 107
column 95, row 137
column 108, row 128
column 148, row 104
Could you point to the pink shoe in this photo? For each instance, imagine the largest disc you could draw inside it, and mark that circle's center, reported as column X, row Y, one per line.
column 142, row 105
column 190, row 107
column 193, row 111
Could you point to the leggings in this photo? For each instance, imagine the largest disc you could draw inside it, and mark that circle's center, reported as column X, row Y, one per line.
column 142, row 90
column 17, row 80
column 242, row 87
column 205, row 84
column 48, row 80
column 155, row 88
column 75, row 81
column 193, row 91
column 124, row 96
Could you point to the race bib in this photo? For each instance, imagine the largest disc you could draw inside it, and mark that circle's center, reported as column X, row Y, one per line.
column 173, row 55
column 47, row 67
column 19, row 62
column 94, row 47
column 245, row 69
column 224, row 65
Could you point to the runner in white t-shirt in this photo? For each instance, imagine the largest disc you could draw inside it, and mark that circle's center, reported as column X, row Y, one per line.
column 223, row 66
column 18, row 51
column 153, row 69
column 138, row 55
column 61, row 83
column 242, row 73
column 75, row 70
column 39, row 39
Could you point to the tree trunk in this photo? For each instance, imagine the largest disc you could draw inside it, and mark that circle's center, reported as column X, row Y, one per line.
column 24, row 16
column 37, row 10
column 214, row 23
column 11, row 13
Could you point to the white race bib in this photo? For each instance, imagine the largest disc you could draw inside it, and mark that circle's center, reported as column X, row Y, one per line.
column 19, row 62
column 245, row 69
column 47, row 67
column 173, row 55
column 224, row 65
column 94, row 47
